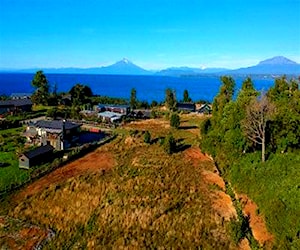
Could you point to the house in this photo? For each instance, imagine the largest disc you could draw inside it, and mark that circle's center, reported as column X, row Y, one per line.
column 140, row 114
column 205, row 109
column 60, row 134
column 121, row 109
column 186, row 106
column 37, row 156
column 15, row 96
column 15, row 106
column 112, row 117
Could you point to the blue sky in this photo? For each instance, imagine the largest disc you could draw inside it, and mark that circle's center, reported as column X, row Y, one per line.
column 153, row 34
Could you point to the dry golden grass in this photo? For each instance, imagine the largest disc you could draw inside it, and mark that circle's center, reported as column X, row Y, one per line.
column 149, row 200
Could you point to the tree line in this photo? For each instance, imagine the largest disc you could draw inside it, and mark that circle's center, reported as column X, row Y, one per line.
column 81, row 94
column 265, row 121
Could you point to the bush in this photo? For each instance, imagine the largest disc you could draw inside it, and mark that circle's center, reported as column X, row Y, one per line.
column 170, row 144
column 147, row 137
column 175, row 120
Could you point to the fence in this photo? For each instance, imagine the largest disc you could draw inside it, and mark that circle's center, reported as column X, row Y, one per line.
column 43, row 170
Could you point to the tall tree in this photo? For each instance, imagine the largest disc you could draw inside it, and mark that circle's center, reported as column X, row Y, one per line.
column 224, row 97
column 175, row 120
column 285, row 133
column 80, row 94
column 186, row 97
column 41, row 84
column 133, row 99
column 258, row 114
column 170, row 100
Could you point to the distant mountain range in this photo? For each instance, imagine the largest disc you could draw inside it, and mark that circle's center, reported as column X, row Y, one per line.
column 274, row 66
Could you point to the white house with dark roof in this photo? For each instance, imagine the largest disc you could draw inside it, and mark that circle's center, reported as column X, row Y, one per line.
column 58, row 133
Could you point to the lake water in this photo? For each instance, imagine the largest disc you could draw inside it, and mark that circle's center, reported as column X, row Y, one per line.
column 148, row 87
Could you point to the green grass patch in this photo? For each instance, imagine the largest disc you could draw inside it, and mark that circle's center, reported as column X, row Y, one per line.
column 11, row 141
column 275, row 187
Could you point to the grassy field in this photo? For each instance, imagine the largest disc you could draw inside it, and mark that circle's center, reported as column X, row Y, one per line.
column 149, row 199
column 10, row 142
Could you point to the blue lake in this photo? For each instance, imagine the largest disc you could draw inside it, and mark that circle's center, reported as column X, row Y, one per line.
column 148, row 87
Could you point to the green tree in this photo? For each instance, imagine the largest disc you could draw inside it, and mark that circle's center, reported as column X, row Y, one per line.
column 41, row 85
column 221, row 120
column 80, row 94
column 133, row 99
column 170, row 99
column 154, row 104
column 175, row 120
column 170, row 144
column 285, row 127
column 186, row 97
column 147, row 137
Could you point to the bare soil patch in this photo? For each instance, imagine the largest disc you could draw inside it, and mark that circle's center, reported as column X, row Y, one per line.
column 15, row 234
column 256, row 221
column 221, row 202
column 196, row 155
column 92, row 162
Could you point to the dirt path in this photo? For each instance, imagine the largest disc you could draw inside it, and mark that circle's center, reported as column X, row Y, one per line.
column 257, row 223
column 92, row 162
column 221, row 202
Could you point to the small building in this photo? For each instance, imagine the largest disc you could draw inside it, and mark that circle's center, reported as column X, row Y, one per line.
column 121, row 109
column 15, row 106
column 186, row 106
column 58, row 133
column 112, row 117
column 15, row 96
column 140, row 114
column 36, row 156
column 205, row 109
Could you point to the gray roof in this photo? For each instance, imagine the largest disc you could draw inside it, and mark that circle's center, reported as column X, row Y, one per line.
column 16, row 102
column 109, row 114
column 186, row 105
column 20, row 95
column 56, row 124
column 113, row 106
column 39, row 151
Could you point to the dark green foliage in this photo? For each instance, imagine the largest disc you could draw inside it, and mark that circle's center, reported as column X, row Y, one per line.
column 205, row 126
column 169, row 144
column 175, row 120
column 285, row 134
column 41, row 85
column 170, row 100
column 239, row 228
column 3, row 97
column 147, row 137
column 186, row 97
column 133, row 99
column 107, row 100
column 274, row 185
column 154, row 104
column 80, row 94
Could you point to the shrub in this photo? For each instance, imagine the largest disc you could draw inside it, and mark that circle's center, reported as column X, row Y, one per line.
column 175, row 120
column 170, row 144
column 147, row 137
